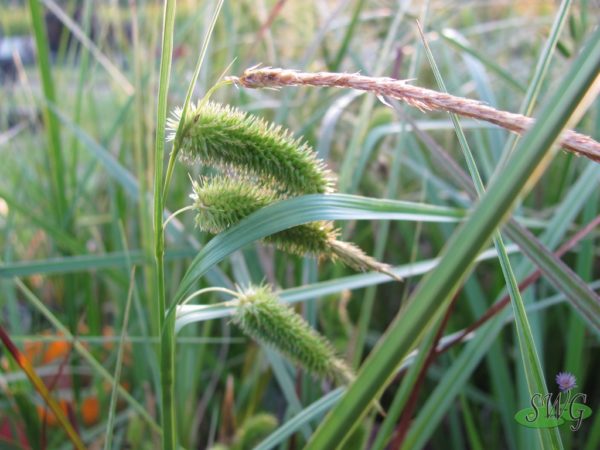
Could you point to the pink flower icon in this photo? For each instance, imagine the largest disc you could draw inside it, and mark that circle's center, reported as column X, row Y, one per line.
column 566, row 381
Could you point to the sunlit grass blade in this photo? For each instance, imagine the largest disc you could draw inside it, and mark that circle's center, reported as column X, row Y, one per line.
column 549, row 437
column 443, row 397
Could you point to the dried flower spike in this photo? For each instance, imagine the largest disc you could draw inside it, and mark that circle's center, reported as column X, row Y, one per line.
column 222, row 202
column 261, row 316
column 424, row 99
column 225, row 137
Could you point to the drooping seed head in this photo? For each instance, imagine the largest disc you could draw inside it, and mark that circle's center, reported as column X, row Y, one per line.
column 261, row 316
column 222, row 202
column 225, row 137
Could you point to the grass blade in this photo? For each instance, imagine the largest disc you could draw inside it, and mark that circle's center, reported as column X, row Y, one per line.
column 54, row 146
column 85, row 354
column 431, row 297
column 117, row 377
column 169, row 426
column 41, row 388
column 308, row 414
column 296, row 211
column 187, row 314
column 549, row 437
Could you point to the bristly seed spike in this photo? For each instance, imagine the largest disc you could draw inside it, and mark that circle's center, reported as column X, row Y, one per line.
column 222, row 202
column 222, row 136
column 263, row 317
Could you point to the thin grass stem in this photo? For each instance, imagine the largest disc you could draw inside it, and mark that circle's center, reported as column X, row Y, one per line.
column 169, row 427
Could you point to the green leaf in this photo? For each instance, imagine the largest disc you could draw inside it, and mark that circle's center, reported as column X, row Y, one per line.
column 188, row 314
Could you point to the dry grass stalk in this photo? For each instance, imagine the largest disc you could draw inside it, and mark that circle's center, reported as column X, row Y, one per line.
column 424, row 99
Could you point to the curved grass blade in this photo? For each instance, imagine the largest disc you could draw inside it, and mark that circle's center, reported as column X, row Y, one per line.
column 187, row 314
column 300, row 210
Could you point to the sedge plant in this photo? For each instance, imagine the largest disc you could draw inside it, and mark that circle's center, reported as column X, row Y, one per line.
column 256, row 152
column 260, row 164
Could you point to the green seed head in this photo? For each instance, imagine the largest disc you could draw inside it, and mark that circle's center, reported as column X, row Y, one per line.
column 221, row 202
column 224, row 137
column 261, row 316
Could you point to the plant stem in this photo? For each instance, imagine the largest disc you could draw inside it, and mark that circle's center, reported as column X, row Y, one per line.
column 167, row 361
column 190, row 91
